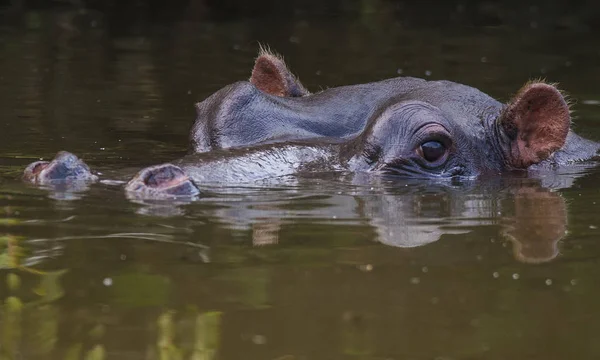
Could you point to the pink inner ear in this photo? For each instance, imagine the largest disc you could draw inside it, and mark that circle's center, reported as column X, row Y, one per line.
column 537, row 120
column 267, row 75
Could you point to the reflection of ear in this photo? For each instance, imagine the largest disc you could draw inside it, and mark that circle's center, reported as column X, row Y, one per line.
column 535, row 124
column 271, row 75
column 540, row 222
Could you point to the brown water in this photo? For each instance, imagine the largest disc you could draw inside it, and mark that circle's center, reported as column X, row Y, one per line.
column 320, row 268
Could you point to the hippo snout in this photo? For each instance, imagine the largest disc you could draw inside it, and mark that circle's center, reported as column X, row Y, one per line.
column 162, row 181
column 65, row 167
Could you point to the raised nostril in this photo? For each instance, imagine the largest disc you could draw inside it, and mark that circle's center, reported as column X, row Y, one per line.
column 32, row 170
column 36, row 167
column 162, row 180
column 160, row 175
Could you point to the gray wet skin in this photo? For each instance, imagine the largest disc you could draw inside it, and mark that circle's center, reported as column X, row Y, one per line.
column 65, row 167
column 271, row 126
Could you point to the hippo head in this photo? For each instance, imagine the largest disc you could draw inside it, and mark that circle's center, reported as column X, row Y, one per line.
column 402, row 126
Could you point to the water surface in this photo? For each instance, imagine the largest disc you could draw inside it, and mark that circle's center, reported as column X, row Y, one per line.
column 317, row 268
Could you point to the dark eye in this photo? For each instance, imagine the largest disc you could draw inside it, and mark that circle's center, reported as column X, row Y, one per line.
column 432, row 151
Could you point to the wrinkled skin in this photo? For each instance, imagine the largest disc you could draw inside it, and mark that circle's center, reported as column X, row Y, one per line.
column 271, row 126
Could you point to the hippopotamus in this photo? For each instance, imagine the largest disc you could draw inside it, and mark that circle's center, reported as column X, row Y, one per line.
column 271, row 126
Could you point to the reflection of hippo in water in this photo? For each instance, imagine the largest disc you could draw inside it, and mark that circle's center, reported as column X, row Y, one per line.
column 532, row 217
column 272, row 126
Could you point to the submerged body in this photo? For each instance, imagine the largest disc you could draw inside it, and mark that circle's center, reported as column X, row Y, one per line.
column 272, row 126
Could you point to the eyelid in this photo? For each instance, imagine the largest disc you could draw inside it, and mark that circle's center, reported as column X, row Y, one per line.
column 433, row 132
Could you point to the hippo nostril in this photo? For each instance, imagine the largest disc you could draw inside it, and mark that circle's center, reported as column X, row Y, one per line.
column 161, row 181
column 33, row 170
column 36, row 167
column 163, row 175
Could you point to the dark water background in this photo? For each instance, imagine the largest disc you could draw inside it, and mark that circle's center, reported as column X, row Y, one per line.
column 320, row 268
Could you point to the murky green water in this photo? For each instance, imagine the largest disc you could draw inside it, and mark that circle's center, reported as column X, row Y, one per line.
column 321, row 268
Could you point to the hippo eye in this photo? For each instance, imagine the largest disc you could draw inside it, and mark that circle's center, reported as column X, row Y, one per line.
column 432, row 151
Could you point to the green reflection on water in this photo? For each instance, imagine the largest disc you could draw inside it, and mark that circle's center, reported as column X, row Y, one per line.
column 140, row 289
column 39, row 316
column 10, row 251
column 200, row 342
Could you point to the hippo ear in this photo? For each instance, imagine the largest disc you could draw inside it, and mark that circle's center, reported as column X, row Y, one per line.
column 271, row 75
column 535, row 124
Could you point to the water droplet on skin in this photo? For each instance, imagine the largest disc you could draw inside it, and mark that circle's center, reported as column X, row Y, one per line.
column 107, row 282
column 573, row 282
column 424, row 269
column 593, row 227
column 548, row 282
column 496, row 275
column 515, row 276
column 123, row 256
